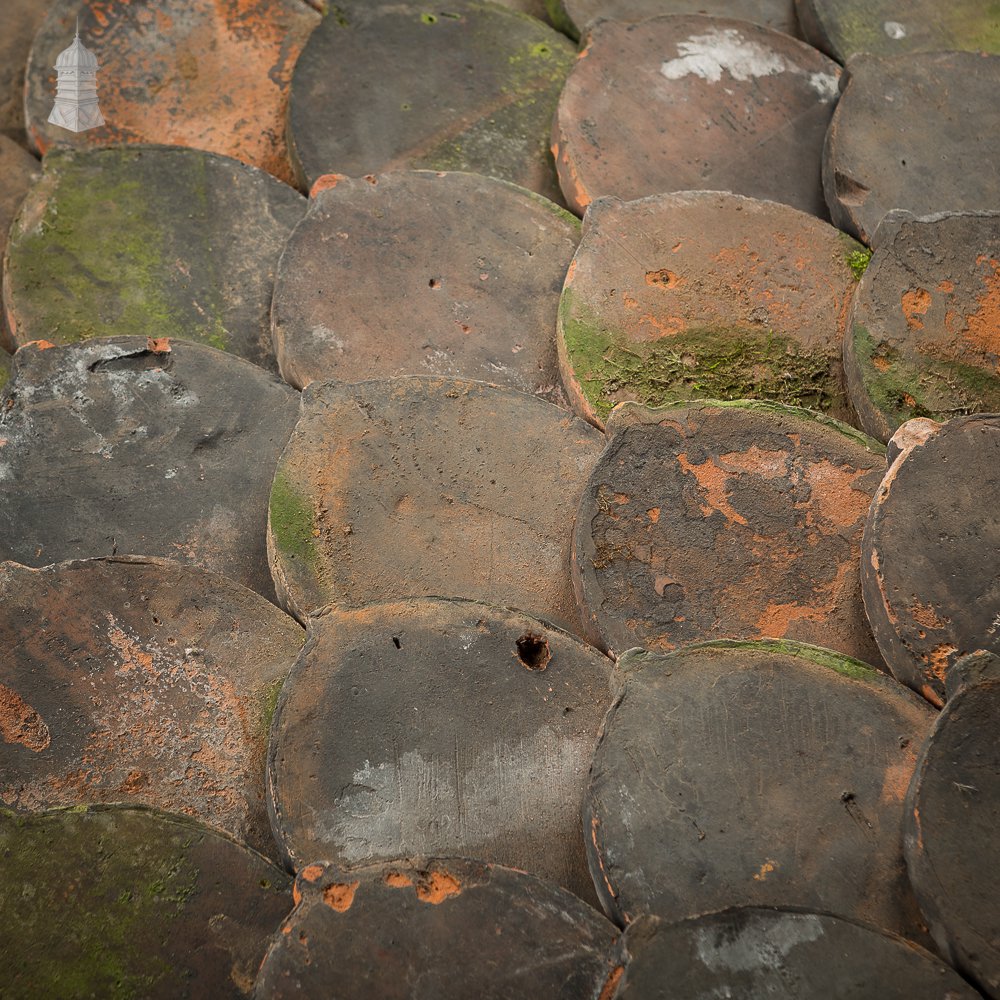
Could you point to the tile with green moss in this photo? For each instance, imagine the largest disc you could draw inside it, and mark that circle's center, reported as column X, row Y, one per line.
column 701, row 295
column 122, row 902
column 144, row 681
column 738, row 774
column 429, row 487
column 924, row 330
column 843, row 28
column 469, row 86
column 153, row 241
column 136, row 446
column 898, row 140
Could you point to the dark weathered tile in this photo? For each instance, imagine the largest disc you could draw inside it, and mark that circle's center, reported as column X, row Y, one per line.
column 919, row 132
column 383, row 86
column 755, row 774
column 927, row 570
column 437, row 727
column 151, row 240
column 421, row 273
column 768, row 951
column 843, row 28
column 114, row 901
column 951, row 822
column 129, row 446
column 443, row 928
column 716, row 521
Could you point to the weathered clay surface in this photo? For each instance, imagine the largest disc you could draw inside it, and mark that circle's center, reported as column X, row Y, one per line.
column 436, row 929
column 137, row 680
column 211, row 74
column 131, row 446
column 843, row 28
column 573, row 16
column 150, row 240
column 422, row 273
column 927, row 573
column 738, row 520
column 953, row 808
column 471, row 87
column 766, row 951
column 749, row 774
column 21, row 19
column 694, row 103
column 878, row 156
column 925, row 325
column 124, row 902
column 419, row 487
column 396, row 736
column 706, row 295
column 19, row 170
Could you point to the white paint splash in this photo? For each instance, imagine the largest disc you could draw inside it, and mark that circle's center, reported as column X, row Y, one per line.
column 756, row 947
column 725, row 50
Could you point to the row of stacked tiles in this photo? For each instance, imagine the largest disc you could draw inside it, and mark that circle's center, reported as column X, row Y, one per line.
column 394, row 749
column 145, row 680
column 671, row 297
column 673, row 102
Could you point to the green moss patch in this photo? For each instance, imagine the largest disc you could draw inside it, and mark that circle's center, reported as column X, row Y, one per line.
column 292, row 524
column 698, row 363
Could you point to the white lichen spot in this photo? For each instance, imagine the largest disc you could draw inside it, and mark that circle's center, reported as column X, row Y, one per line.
column 757, row 947
column 825, row 84
column 723, row 50
column 326, row 336
column 170, row 474
column 894, row 30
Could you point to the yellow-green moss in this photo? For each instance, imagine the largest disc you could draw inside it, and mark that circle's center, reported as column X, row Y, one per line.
column 698, row 363
column 292, row 524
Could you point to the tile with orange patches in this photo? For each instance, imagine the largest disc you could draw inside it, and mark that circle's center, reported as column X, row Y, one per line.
column 912, row 353
column 723, row 315
column 778, row 759
column 339, row 896
column 760, row 513
column 161, row 702
column 927, row 588
column 915, row 303
column 205, row 63
column 461, row 929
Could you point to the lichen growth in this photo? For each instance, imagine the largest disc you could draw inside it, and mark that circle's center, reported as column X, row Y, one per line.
column 842, row 664
column 269, row 704
column 900, row 388
column 79, row 921
column 697, row 363
column 101, row 262
column 555, row 10
column 857, row 261
column 292, row 524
